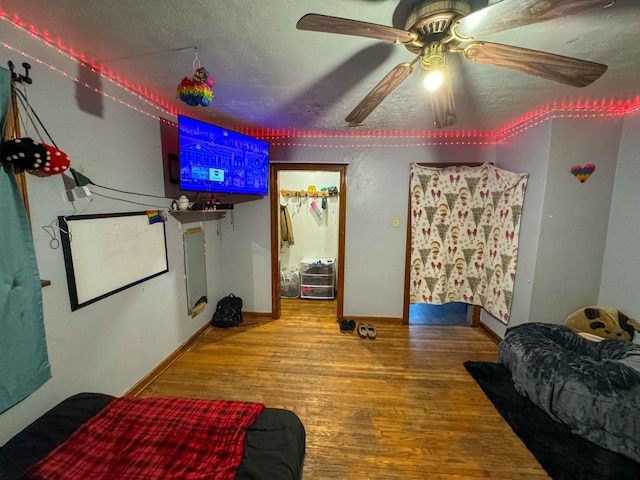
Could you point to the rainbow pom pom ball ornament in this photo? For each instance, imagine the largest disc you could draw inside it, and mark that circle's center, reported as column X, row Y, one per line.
column 197, row 89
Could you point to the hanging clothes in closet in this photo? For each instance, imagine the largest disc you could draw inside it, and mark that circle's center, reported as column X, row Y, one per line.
column 286, row 227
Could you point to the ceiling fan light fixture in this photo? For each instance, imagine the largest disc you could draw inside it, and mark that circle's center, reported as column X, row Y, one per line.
column 433, row 80
column 436, row 28
column 434, row 65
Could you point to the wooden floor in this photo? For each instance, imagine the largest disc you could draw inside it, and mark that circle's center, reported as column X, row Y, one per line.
column 401, row 406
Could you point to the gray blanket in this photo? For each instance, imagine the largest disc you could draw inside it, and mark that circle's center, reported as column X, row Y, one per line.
column 585, row 385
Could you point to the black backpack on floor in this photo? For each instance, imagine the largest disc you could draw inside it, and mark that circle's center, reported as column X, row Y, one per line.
column 228, row 312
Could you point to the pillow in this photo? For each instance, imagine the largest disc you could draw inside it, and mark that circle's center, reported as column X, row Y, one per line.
column 603, row 322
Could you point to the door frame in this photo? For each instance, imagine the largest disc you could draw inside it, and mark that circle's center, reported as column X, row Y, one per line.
column 476, row 309
column 274, row 199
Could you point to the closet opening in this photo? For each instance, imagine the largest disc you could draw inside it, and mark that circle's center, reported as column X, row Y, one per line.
column 308, row 216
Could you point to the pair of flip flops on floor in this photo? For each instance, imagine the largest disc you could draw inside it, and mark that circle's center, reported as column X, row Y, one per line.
column 365, row 331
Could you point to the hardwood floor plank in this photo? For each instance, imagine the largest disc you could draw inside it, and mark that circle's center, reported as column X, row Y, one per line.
column 401, row 406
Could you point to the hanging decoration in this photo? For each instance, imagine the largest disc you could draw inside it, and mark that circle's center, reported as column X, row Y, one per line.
column 583, row 173
column 35, row 157
column 197, row 89
column 465, row 224
column 24, row 152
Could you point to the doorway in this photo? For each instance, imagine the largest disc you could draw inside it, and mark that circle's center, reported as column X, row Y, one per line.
column 307, row 196
column 455, row 313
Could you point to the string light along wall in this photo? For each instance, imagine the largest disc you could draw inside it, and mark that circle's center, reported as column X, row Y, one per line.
column 152, row 101
column 326, row 139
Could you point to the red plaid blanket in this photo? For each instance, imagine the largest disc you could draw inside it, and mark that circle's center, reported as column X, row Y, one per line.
column 154, row 438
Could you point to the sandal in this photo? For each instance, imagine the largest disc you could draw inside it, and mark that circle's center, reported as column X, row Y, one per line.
column 362, row 330
column 371, row 332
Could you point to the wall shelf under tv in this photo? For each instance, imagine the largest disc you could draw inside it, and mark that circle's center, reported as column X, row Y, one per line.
column 190, row 216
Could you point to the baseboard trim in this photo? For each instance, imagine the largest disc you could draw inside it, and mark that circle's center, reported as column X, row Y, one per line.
column 166, row 363
column 373, row 320
column 493, row 336
column 256, row 316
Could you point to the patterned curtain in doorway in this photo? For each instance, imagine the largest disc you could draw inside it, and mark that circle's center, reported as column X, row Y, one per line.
column 465, row 223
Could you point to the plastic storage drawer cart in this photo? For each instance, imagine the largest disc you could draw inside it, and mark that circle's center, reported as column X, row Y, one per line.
column 317, row 278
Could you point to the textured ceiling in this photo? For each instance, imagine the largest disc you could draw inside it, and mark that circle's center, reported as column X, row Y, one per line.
column 268, row 74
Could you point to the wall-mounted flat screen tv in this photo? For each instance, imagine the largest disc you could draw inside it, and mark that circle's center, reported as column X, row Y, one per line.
column 214, row 159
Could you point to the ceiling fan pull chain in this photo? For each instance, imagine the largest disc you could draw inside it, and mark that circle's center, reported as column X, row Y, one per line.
column 196, row 61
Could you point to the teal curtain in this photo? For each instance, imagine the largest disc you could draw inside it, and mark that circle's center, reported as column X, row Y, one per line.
column 24, row 364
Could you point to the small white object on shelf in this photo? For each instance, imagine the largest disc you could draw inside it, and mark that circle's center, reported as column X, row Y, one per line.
column 183, row 202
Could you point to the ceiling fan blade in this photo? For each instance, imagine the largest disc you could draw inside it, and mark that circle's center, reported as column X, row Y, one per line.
column 516, row 13
column 324, row 23
column 387, row 85
column 567, row 70
column 442, row 105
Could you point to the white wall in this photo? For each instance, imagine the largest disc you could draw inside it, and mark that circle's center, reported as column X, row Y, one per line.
column 575, row 217
column 619, row 285
column 245, row 255
column 564, row 222
column 528, row 153
column 110, row 345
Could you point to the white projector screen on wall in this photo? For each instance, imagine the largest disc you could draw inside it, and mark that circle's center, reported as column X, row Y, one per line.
column 107, row 253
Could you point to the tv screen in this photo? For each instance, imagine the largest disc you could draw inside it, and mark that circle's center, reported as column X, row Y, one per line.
column 214, row 159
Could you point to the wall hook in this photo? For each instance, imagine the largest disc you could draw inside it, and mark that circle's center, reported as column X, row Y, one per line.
column 18, row 77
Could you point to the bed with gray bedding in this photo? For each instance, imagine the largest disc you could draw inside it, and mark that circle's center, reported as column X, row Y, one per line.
column 591, row 387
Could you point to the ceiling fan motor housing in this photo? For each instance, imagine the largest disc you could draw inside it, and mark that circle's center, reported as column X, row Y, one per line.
column 433, row 19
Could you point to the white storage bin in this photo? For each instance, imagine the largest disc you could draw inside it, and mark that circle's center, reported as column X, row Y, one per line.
column 289, row 282
column 317, row 279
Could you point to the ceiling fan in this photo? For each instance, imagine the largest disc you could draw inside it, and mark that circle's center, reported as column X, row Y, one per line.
column 436, row 28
